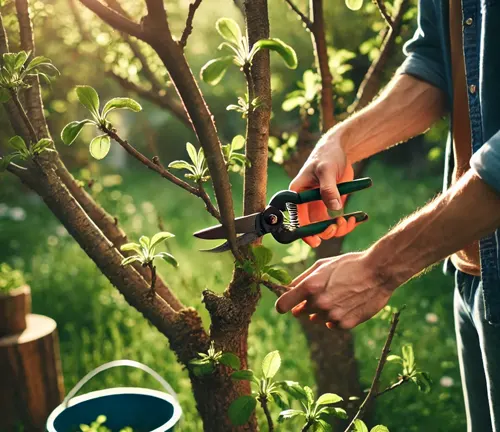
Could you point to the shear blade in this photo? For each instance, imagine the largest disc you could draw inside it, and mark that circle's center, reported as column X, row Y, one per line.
column 242, row 240
column 244, row 224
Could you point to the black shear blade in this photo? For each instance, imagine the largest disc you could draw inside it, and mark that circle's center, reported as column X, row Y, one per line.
column 243, row 225
column 242, row 240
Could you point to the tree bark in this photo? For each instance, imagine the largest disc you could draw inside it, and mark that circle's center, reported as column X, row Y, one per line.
column 14, row 307
column 31, row 377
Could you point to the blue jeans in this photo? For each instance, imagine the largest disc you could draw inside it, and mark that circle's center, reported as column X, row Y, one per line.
column 478, row 344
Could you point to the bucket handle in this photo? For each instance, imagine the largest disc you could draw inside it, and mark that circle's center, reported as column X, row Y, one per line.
column 117, row 363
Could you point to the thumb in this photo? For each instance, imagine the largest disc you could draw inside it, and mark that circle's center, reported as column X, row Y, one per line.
column 328, row 186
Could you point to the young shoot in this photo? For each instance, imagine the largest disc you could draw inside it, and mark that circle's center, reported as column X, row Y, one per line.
column 208, row 362
column 88, row 97
column 23, row 152
column 198, row 169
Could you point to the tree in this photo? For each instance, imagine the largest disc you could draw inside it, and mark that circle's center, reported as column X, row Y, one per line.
column 98, row 233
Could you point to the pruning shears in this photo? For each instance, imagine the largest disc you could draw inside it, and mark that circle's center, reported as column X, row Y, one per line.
column 280, row 218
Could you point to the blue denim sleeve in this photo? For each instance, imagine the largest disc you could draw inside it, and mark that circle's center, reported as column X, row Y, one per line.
column 424, row 52
column 486, row 162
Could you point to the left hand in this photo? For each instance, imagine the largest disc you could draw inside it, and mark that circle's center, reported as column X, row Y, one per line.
column 342, row 291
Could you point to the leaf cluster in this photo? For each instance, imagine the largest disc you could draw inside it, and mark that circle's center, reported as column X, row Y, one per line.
column 235, row 161
column 88, row 97
column 98, row 425
column 360, row 426
column 15, row 70
column 244, row 106
column 145, row 250
column 197, row 169
column 410, row 372
column 240, row 52
column 9, row 278
column 22, row 152
column 207, row 362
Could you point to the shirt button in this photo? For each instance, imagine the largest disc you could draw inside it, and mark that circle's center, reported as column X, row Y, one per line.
column 468, row 21
column 472, row 88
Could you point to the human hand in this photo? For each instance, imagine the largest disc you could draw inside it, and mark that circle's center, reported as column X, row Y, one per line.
column 343, row 291
column 326, row 166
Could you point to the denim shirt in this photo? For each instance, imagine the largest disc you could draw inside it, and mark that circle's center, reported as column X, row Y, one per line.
column 428, row 58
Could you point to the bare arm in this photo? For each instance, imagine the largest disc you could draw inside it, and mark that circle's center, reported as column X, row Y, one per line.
column 407, row 107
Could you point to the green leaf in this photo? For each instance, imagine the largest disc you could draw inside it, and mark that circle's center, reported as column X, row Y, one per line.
column 281, row 275
column 6, row 160
column 243, row 375
column 89, row 98
column 291, row 103
column 72, row 130
column 360, row 426
column 271, row 364
column 121, row 103
column 160, row 237
column 423, row 381
column 37, row 61
column 229, row 30
column 215, row 69
column 262, row 256
column 309, row 395
column 322, row 426
column 338, row 412
column 41, row 145
column 165, row 256
column 241, row 409
column 131, row 247
column 180, row 164
column 131, row 259
column 200, row 362
column 354, row 4
column 4, row 95
column 231, row 360
column 294, row 389
column 9, row 61
column 99, row 146
column 290, row 413
column 286, row 52
column 204, row 369
column 21, row 58
column 394, row 359
column 17, row 143
column 238, row 142
column 408, row 359
column 328, row 399
column 193, row 154
column 144, row 242
column 278, row 400
column 379, row 428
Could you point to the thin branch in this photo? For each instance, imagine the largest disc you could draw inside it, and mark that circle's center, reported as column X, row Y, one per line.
column 114, row 19
column 265, row 407
column 308, row 23
column 155, row 165
column 383, row 11
column 208, row 202
column 24, row 116
column 156, row 12
column 189, row 22
column 276, row 289
column 372, row 393
column 152, row 268
column 397, row 384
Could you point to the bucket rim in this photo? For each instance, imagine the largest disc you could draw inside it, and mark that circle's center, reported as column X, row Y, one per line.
column 176, row 415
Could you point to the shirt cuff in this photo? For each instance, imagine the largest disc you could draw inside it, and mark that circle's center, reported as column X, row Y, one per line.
column 424, row 68
column 486, row 162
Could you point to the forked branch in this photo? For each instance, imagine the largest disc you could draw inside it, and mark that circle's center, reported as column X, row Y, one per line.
column 308, row 23
column 189, row 22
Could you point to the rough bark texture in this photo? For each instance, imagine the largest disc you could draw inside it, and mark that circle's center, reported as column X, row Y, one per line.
column 14, row 307
column 31, row 377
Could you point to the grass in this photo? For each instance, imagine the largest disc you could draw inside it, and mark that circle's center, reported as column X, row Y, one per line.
column 96, row 325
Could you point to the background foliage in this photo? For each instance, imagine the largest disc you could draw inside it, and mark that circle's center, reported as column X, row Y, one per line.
column 95, row 323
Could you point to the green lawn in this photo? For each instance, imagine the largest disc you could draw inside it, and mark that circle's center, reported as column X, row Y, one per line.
column 96, row 325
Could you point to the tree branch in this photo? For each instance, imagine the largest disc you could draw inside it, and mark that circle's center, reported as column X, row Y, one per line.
column 383, row 11
column 114, row 19
column 156, row 12
column 26, row 120
column 372, row 393
column 189, row 22
column 308, row 23
column 393, row 386
column 155, row 165
column 321, row 52
column 265, row 407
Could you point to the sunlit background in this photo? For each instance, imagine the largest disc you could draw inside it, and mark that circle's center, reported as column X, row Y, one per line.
column 95, row 323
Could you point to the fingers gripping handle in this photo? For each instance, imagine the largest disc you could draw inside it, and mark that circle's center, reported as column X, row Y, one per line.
column 117, row 363
column 344, row 189
column 319, row 227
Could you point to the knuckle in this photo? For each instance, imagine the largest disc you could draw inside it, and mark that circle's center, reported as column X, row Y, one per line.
column 335, row 315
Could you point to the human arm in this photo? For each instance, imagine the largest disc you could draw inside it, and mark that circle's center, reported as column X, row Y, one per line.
column 352, row 288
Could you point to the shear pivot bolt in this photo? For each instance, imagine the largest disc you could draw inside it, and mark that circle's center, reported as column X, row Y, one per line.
column 272, row 219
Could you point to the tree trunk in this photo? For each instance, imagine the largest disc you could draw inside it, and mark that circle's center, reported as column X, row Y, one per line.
column 30, row 373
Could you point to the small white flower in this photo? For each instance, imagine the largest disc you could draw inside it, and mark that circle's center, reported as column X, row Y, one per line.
column 17, row 214
column 3, row 209
column 431, row 318
column 446, row 381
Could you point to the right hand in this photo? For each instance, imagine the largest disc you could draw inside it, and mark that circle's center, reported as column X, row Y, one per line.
column 326, row 166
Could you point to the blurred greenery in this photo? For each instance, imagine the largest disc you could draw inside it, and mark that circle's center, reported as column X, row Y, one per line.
column 95, row 323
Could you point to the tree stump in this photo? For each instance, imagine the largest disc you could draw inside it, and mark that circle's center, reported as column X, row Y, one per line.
column 14, row 307
column 31, row 383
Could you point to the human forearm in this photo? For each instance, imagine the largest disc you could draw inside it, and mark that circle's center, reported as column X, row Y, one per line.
column 468, row 211
column 406, row 108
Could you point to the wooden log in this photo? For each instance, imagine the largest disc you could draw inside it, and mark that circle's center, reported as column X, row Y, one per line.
column 14, row 306
column 31, row 383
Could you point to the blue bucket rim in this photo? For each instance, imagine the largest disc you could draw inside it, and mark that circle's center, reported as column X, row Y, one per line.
column 176, row 415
